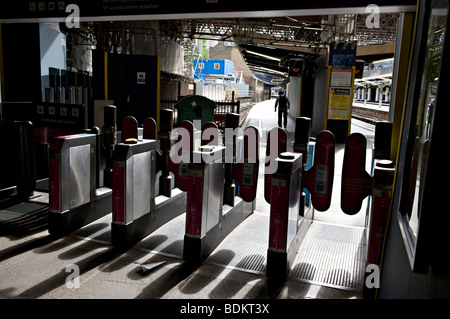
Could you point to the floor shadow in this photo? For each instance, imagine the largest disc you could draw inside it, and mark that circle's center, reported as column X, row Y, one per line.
column 199, row 281
column 24, row 247
column 59, row 278
column 229, row 286
column 169, row 278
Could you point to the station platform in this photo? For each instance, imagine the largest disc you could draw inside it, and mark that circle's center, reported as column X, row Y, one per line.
column 329, row 263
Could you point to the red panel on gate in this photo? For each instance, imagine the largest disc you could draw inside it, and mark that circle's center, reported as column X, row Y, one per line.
column 356, row 182
column 381, row 207
column 54, row 176
column 270, row 158
column 194, row 207
column 118, row 194
column 53, row 187
column 319, row 178
column 278, row 218
column 245, row 172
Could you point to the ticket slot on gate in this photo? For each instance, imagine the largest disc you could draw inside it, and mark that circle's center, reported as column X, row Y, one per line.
column 319, row 178
column 74, row 199
column 208, row 218
column 284, row 215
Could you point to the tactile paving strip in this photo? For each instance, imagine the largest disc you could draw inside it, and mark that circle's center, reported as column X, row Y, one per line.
column 331, row 255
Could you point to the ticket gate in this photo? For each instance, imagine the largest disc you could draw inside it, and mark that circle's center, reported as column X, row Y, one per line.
column 137, row 210
column 358, row 184
column 74, row 199
column 284, row 191
column 210, row 216
column 284, row 214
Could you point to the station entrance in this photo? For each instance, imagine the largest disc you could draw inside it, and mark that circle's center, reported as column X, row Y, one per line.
column 309, row 219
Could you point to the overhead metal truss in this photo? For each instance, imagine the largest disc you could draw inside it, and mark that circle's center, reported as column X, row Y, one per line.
column 310, row 32
column 307, row 31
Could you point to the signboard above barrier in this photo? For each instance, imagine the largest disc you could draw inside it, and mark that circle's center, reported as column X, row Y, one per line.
column 110, row 10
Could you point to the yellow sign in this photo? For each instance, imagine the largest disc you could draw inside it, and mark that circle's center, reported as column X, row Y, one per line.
column 339, row 103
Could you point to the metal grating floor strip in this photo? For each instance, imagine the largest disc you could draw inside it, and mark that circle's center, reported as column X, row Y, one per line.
column 331, row 255
column 167, row 240
column 246, row 247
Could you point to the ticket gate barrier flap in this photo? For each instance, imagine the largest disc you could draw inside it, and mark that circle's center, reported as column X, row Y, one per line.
column 276, row 136
column 245, row 171
column 284, row 215
column 129, row 128
column 356, row 182
column 133, row 180
column 319, row 178
column 150, row 129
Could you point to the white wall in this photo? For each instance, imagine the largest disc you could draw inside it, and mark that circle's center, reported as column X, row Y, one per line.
column 320, row 101
column 294, row 95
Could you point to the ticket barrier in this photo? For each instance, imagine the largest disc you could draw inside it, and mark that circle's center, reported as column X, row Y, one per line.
column 22, row 208
column 284, row 189
column 285, row 216
column 24, row 164
column 358, row 184
column 209, row 216
column 74, row 199
column 137, row 209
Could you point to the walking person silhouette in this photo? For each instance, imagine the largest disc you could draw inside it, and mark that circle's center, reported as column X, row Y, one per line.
column 283, row 107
